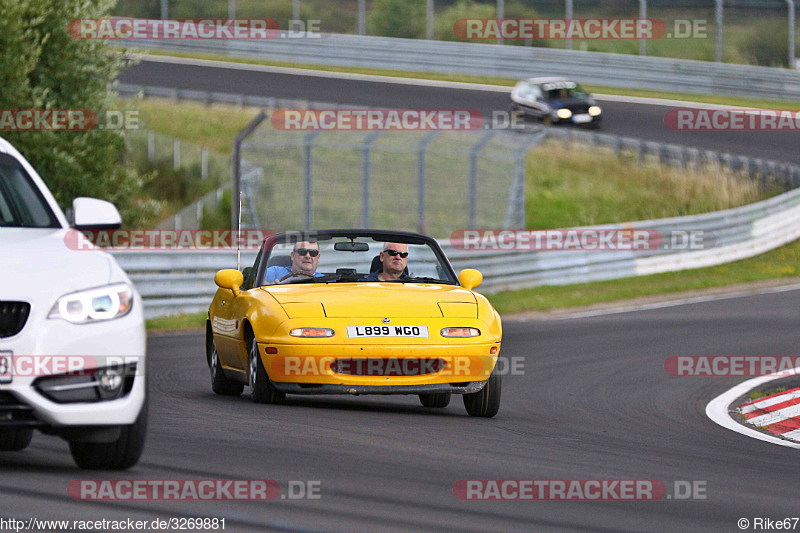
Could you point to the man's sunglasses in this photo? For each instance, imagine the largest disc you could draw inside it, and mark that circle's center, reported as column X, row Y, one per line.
column 303, row 252
column 395, row 252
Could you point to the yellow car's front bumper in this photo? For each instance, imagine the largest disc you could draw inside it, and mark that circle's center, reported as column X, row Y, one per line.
column 379, row 368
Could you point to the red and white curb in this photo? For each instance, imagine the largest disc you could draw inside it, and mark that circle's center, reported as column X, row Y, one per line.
column 775, row 415
column 778, row 414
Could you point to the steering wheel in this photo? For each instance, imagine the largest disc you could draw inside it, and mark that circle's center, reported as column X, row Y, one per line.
column 290, row 275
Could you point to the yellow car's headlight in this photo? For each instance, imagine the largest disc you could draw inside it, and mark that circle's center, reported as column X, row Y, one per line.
column 564, row 113
column 460, row 332
column 595, row 110
column 93, row 305
column 311, row 332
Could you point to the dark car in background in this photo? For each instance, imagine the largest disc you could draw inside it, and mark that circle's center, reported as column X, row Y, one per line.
column 556, row 100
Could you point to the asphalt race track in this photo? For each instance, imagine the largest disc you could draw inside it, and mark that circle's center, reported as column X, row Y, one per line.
column 643, row 121
column 593, row 402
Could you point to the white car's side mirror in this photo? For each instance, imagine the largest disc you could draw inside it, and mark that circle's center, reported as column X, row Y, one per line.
column 91, row 213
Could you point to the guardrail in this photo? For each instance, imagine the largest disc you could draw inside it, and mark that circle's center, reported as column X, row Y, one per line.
column 174, row 282
column 613, row 70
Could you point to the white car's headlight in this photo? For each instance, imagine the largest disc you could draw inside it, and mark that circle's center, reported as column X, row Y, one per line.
column 92, row 305
column 564, row 113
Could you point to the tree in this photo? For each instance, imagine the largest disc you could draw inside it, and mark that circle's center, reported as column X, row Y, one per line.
column 43, row 67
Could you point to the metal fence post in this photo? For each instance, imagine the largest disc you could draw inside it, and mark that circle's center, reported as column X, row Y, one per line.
column 642, row 17
column 429, row 20
column 501, row 13
column 151, row 146
column 791, row 34
column 204, row 163
column 362, row 17
column 365, row 149
column 176, row 153
column 473, row 175
column 568, row 15
column 421, row 190
column 236, row 200
column 308, row 144
column 719, row 24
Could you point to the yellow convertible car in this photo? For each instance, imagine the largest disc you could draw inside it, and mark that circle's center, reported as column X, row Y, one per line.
column 354, row 312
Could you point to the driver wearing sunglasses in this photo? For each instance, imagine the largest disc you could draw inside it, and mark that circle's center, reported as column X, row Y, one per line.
column 394, row 259
column 305, row 258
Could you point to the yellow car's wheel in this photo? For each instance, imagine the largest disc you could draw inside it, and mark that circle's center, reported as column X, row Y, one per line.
column 219, row 383
column 262, row 389
column 485, row 402
column 436, row 399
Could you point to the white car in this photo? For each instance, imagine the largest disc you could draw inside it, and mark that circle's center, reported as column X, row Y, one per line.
column 72, row 336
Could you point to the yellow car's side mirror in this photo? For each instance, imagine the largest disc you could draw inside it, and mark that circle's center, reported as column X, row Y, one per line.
column 469, row 278
column 230, row 279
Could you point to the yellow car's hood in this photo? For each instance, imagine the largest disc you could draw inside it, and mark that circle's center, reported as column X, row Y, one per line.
column 344, row 300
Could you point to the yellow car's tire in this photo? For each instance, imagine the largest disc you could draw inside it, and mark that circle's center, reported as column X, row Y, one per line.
column 219, row 383
column 262, row 389
column 15, row 439
column 436, row 399
column 486, row 402
column 120, row 454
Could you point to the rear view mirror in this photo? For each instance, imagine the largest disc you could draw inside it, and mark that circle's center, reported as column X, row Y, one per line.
column 351, row 247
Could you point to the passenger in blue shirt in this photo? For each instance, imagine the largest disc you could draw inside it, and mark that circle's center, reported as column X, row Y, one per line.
column 305, row 258
column 394, row 259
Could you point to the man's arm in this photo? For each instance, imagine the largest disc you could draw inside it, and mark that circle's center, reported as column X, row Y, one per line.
column 274, row 273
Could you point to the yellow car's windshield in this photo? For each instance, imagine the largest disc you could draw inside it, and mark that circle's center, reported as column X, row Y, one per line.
column 342, row 259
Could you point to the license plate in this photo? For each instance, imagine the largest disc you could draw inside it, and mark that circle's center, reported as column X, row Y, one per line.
column 5, row 367
column 582, row 118
column 387, row 331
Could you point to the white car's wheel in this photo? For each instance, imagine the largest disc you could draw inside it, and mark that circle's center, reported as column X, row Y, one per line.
column 15, row 439
column 120, row 454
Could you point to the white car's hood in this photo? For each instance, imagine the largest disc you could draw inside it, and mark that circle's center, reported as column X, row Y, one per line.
column 36, row 265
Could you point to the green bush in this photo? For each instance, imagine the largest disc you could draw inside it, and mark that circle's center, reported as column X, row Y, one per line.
column 767, row 44
column 45, row 68
column 397, row 18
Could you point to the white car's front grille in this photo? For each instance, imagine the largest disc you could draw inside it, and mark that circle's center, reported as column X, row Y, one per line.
column 13, row 316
